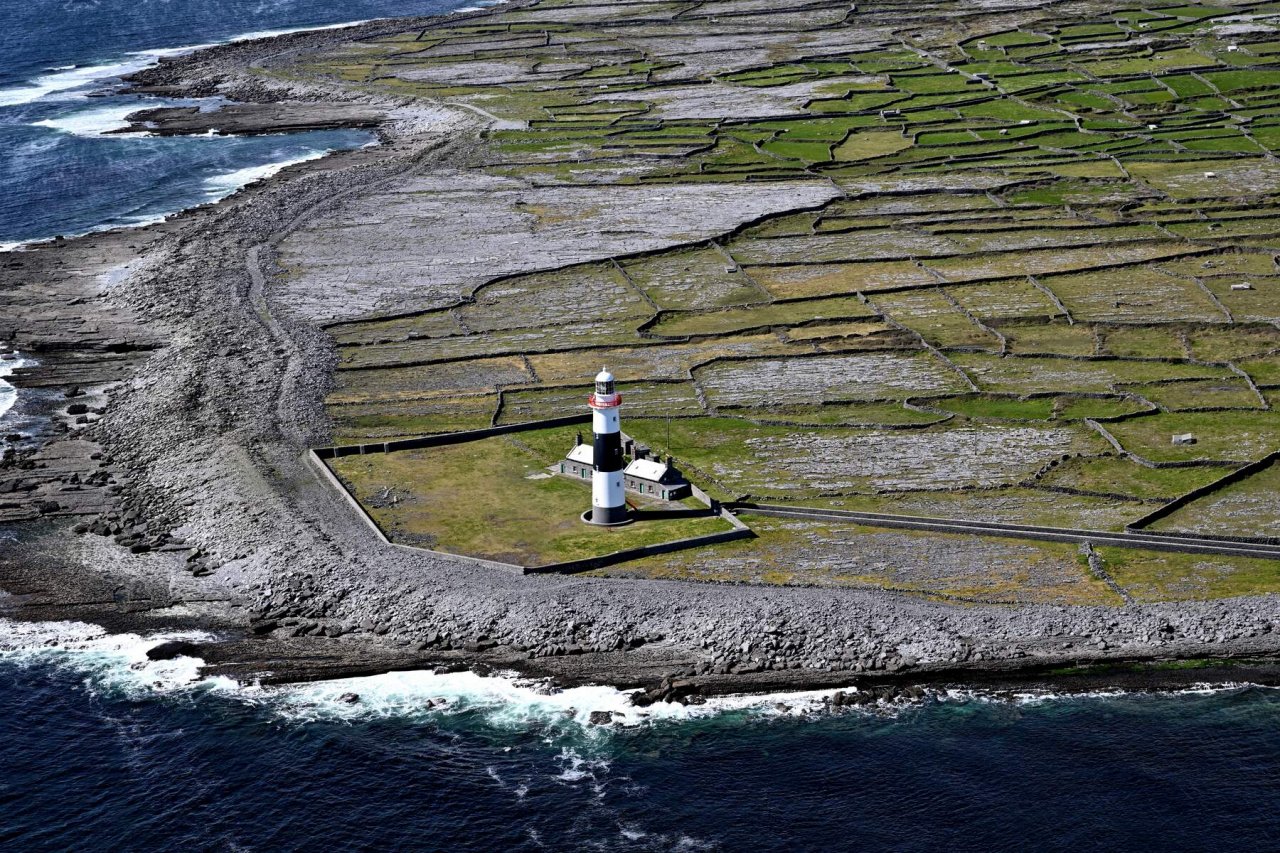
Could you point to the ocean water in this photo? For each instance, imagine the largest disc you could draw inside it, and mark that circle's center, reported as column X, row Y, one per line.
column 102, row 750
column 60, row 62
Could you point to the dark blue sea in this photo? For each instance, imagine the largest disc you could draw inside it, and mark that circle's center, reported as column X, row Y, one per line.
column 59, row 63
column 100, row 750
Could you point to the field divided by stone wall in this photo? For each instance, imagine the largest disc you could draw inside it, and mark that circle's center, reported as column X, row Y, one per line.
column 954, row 259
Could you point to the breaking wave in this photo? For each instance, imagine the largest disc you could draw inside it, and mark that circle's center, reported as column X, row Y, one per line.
column 224, row 184
column 502, row 701
column 92, row 122
column 79, row 77
column 72, row 78
column 9, row 362
column 118, row 663
column 114, row 663
column 266, row 34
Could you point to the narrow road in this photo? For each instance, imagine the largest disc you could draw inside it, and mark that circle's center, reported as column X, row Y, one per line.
column 1148, row 541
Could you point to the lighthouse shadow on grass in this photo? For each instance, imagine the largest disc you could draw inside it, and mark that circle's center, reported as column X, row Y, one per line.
column 645, row 516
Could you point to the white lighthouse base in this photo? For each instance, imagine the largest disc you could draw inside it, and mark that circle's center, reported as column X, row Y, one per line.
column 616, row 517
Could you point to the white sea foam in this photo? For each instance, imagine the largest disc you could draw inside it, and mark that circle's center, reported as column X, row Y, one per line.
column 109, row 662
column 266, row 34
column 72, row 77
column 1043, row 697
column 216, row 188
column 506, row 701
column 76, row 77
column 69, row 78
column 92, row 122
column 118, row 663
column 9, row 362
column 220, row 186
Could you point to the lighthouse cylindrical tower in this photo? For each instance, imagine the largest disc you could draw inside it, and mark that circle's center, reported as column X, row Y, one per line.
column 608, row 503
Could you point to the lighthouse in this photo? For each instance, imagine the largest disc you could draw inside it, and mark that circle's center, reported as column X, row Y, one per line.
column 608, row 504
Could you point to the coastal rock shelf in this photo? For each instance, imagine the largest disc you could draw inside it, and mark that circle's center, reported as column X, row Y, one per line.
column 247, row 119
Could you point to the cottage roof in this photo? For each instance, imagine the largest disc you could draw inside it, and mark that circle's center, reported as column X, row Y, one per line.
column 583, row 453
column 647, row 469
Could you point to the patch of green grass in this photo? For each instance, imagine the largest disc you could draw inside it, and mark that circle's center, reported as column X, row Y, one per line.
column 1143, row 341
column 1070, row 407
column 1014, row 505
column 1243, row 80
column 1059, row 338
column 1150, row 576
column 806, row 280
column 1060, row 192
column 491, row 499
column 1233, row 393
column 1117, row 475
column 995, row 407
column 931, row 315
column 680, row 324
column 1247, row 508
column 1235, row 342
column 867, row 145
column 361, row 424
column 1235, row 436
column 1009, row 110
column 813, row 152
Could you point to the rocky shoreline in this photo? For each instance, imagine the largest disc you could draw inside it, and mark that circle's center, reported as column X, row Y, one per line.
column 173, row 491
column 251, row 119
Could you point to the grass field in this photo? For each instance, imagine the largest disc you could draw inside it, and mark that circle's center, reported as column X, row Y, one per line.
column 494, row 498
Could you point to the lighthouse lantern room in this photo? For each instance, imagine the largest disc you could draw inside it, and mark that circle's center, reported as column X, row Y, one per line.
column 608, row 503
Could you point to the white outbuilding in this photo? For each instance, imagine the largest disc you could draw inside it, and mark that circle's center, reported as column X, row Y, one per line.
column 657, row 478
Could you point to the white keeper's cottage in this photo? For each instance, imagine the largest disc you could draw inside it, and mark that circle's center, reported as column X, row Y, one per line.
column 644, row 475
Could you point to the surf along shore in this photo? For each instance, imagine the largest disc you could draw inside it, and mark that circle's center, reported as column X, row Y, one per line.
column 184, row 378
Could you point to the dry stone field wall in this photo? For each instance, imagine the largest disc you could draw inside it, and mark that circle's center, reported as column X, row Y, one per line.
column 931, row 257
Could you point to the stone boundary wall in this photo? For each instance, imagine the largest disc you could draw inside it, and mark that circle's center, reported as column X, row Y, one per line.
column 445, row 438
column 1195, row 494
column 316, row 459
column 740, row 531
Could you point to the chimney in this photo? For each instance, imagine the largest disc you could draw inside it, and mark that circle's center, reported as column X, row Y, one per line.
column 579, row 439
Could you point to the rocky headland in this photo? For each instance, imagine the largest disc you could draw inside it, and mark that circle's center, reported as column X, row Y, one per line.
column 181, row 388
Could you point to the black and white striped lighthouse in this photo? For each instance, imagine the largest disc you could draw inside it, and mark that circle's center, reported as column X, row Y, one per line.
column 608, row 503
